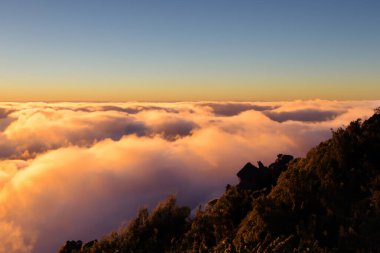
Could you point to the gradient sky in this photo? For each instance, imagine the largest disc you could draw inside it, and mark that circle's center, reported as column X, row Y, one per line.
column 189, row 50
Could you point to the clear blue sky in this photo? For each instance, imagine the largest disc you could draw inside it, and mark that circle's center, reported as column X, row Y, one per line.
column 189, row 50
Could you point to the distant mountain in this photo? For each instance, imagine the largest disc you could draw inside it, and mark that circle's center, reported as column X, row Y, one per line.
column 326, row 202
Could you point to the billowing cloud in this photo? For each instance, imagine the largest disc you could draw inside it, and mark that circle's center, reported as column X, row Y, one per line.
column 34, row 130
column 5, row 120
column 304, row 115
column 231, row 109
column 79, row 170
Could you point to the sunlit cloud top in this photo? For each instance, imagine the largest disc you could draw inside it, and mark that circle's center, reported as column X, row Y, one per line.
column 79, row 170
column 189, row 50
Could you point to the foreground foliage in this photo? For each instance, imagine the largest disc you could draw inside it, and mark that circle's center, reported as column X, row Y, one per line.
column 326, row 202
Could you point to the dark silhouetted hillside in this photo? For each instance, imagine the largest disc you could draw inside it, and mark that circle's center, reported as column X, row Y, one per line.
column 326, row 202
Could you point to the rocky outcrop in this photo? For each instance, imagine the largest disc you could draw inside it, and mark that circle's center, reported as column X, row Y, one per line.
column 256, row 178
column 71, row 246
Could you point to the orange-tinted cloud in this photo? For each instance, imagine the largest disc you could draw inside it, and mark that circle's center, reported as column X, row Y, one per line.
column 78, row 170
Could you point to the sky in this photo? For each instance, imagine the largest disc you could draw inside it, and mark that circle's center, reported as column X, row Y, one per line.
column 189, row 50
column 76, row 171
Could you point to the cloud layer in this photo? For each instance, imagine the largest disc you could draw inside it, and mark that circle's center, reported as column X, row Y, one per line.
column 78, row 170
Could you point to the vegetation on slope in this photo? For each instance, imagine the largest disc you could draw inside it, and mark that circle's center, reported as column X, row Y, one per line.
column 326, row 202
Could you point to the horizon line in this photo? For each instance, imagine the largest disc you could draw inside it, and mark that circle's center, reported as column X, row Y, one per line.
column 181, row 101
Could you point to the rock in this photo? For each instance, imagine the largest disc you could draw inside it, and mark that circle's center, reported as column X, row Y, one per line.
column 280, row 165
column 256, row 178
column 71, row 246
column 248, row 176
column 261, row 165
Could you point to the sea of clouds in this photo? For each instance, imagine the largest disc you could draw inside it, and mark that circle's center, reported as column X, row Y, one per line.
column 80, row 170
